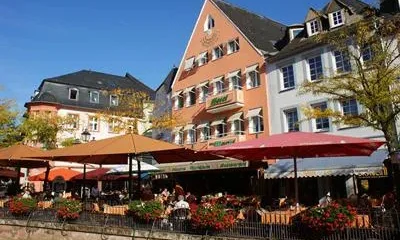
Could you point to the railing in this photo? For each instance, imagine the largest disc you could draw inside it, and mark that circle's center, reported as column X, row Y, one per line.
column 379, row 225
column 226, row 139
column 224, row 101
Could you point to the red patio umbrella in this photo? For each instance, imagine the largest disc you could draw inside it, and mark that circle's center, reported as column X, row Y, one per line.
column 298, row 145
column 65, row 173
column 8, row 173
column 96, row 174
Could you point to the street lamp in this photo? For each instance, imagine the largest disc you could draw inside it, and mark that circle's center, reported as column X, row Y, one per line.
column 85, row 135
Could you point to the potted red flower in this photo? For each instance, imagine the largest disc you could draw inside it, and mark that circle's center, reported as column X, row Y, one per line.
column 145, row 211
column 326, row 220
column 211, row 217
column 19, row 206
column 68, row 209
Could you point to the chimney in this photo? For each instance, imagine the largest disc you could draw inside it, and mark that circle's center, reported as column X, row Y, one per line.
column 390, row 6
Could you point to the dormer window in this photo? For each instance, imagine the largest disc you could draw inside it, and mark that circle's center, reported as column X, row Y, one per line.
column 209, row 23
column 113, row 100
column 294, row 32
column 313, row 27
column 336, row 19
column 73, row 94
column 94, row 97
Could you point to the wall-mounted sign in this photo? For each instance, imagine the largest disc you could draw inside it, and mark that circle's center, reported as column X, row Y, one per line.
column 203, row 166
column 219, row 100
column 221, row 143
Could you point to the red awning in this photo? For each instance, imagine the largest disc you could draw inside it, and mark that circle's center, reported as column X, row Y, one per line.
column 65, row 173
column 96, row 174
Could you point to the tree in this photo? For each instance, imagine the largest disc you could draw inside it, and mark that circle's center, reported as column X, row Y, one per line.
column 42, row 128
column 129, row 107
column 371, row 46
column 9, row 131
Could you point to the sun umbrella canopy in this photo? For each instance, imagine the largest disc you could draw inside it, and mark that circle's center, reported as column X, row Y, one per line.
column 96, row 174
column 65, row 173
column 8, row 173
column 115, row 151
column 300, row 145
column 18, row 156
column 123, row 169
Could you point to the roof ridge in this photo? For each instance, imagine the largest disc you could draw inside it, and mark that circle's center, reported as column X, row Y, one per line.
column 135, row 80
column 250, row 12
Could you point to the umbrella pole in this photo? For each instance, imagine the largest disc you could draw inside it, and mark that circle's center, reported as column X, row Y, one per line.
column 46, row 178
column 296, row 185
column 17, row 181
column 84, row 182
column 130, row 177
column 139, row 177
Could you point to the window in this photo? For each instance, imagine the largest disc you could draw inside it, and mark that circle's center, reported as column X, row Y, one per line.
column 234, row 80
column 366, row 53
column 73, row 94
column 349, row 107
column 256, row 123
column 112, row 125
column 217, row 52
column 292, row 119
column 336, row 18
column 72, row 121
column 315, row 68
column 189, row 63
column 252, row 77
column 93, row 124
column 190, row 96
column 313, row 27
column 219, row 128
column 204, row 131
column 233, row 46
column 218, row 85
column 342, row 62
column 321, row 124
column 179, row 137
column 94, row 96
column 288, row 77
column 113, row 100
column 209, row 23
column 202, row 59
column 178, row 100
column 191, row 136
column 294, row 32
column 237, row 123
column 203, row 92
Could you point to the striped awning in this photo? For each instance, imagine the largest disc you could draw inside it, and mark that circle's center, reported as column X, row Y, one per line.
column 330, row 166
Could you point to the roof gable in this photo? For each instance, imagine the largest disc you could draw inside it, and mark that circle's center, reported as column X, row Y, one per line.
column 312, row 14
column 261, row 31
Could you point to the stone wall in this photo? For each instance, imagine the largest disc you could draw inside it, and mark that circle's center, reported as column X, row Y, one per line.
column 17, row 230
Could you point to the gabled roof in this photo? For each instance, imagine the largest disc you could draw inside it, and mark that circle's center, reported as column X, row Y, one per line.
column 167, row 83
column 262, row 32
column 103, row 81
column 355, row 6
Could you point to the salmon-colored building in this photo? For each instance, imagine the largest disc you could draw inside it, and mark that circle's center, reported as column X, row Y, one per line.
column 220, row 91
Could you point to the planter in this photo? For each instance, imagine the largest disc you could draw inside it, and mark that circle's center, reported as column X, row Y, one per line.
column 22, row 206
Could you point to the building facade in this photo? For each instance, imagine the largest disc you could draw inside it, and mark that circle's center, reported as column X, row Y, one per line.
column 220, row 92
column 83, row 94
column 305, row 59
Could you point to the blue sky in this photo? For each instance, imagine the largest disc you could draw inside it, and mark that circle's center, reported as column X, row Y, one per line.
column 47, row 38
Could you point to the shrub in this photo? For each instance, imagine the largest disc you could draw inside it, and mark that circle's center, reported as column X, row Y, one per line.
column 212, row 217
column 333, row 217
column 22, row 206
column 68, row 209
column 145, row 211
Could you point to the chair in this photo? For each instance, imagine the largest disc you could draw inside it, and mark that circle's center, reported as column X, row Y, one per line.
column 181, row 213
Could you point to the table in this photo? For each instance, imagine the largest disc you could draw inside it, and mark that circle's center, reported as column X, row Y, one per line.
column 116, row 210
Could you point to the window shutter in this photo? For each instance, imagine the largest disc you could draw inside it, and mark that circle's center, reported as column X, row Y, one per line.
column 309, row 29
column 331, row 23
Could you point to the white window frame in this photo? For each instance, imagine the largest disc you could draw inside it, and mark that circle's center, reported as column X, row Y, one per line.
column 77, row 94
column 309, row 68
column 111, row 126
column 179, row 98
column 217, row 90
column 283, row 77
column 314, row 120
column 189, row 96
column 218, row 134
column 253, row 82
column 203, row 136
column 92, row 95
column 209, row 23
column 233, row 46
column 203, row 94
column 313, row 27
column 218, row 49
column 235, row 82
column 342, row 58
column 286, row 121
column 93, row 124
column 178, row 137
column 116, row 99
column 202, row 59
column 342, row 106
column 237, row 131
column 334, row 17
column 259, row 124
column 191, row 136
column 366, row 48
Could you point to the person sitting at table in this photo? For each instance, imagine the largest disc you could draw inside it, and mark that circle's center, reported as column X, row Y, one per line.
column 181, row 204
column 326, row 200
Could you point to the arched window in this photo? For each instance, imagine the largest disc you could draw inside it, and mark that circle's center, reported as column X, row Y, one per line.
column 209, row 23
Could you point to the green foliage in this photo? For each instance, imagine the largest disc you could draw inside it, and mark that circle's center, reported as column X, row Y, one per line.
column 22, row 206
column 68, row 142
column 145, row 211
column 9, row 131
column 373, row 83
column 68, row 209
column 212, row 217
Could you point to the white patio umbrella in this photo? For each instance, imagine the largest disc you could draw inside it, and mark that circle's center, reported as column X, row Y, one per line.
column 123, row 169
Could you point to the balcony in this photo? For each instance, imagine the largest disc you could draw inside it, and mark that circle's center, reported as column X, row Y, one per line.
column 227, row 140
column 225, row 101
